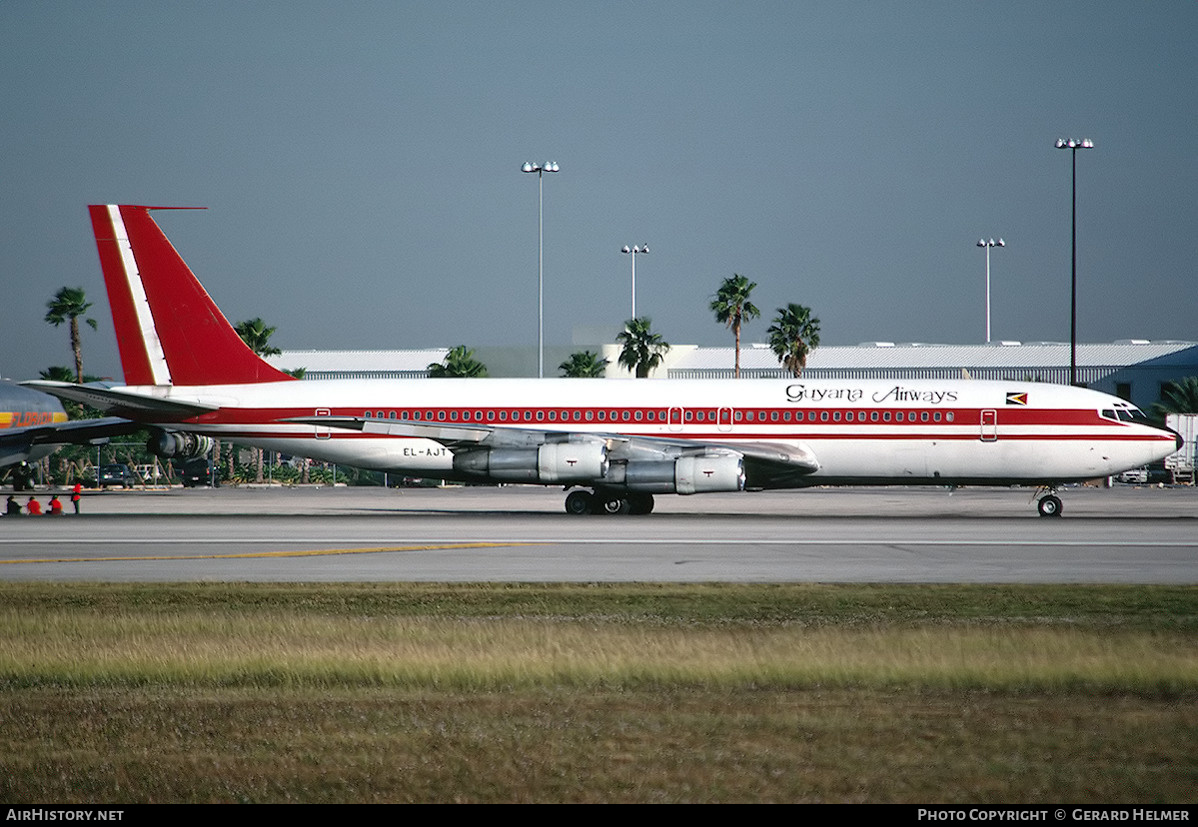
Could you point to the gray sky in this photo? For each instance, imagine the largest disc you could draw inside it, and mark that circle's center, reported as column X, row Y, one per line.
column 361, row 165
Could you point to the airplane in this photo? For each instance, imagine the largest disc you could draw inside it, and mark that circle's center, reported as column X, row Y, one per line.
column 33, row 425
column 614, row 444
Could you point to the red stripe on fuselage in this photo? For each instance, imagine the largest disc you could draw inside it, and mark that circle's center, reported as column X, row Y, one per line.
column 564, row 418
column 731, row 437
column 1058, row 425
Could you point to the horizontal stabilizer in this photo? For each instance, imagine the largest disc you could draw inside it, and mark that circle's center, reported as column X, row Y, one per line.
column 123, row 402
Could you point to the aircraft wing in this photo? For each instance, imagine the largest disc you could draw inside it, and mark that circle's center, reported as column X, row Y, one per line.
column 769, row 465
column 766, row 464
column 123, row 402
column 17, row 443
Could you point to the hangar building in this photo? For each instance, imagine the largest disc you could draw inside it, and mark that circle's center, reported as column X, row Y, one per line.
column 1134, row 369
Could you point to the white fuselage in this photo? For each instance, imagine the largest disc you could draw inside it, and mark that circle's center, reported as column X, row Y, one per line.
column 859, row 431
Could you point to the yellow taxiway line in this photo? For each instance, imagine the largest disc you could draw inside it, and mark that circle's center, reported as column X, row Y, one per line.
column 265, row 554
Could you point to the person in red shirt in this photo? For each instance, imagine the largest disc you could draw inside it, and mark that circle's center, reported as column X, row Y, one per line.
column 55, row 505
column 76, row 495
column 33, row 506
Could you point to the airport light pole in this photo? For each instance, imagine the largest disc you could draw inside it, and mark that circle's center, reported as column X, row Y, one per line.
column 540, row 170
column 988, row 244
column 1073, row 146
column 635, row 251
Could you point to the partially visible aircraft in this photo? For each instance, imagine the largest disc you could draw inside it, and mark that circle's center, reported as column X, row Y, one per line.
column 613, row 443
column 33, row 425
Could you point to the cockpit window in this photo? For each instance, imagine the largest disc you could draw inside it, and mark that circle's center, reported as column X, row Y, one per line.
column 1128, row 414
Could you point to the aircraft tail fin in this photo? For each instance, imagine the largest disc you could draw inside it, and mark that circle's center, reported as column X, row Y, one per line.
column 169, row 330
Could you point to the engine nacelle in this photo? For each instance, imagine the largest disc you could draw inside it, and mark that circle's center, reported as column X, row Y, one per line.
column 558, row 462
column 685, row 475
column 178, row 445
column 700, row 475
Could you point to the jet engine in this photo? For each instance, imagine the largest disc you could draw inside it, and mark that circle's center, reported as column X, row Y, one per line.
column 564, row 462
column 685, row 475
column 178, row 445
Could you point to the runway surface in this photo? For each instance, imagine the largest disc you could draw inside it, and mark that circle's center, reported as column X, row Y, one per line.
column 1119, row 535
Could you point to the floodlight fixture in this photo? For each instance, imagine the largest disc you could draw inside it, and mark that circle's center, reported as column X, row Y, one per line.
column 540, row 169
column 987, row 245
column 634, row 251
column 1073, row 145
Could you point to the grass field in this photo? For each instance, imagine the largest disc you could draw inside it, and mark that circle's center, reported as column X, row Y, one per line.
column 574, row 693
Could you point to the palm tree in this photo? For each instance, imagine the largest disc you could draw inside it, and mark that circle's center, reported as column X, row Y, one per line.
column 583, row 365
column 793, row 335
column 68, row 305
column 256, row 335
column 643, row 349
column 75, row 410
column 459, row 363
column 1178, row 397
column 57, row 373
column 732, row 307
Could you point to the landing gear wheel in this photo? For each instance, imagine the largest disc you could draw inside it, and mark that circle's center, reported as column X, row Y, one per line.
column 615, row 505
column 1049, row 506
column 640, row 503
column 580, row 502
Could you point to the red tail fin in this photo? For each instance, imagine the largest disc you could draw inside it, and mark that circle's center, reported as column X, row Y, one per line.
column 169, row 330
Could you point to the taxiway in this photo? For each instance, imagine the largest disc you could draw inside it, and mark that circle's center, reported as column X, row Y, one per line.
column 1120, row 535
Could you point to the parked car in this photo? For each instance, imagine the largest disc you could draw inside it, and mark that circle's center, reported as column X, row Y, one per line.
column 1133, row 475
column 196, row 472
column 117, row 473
column 145, row 473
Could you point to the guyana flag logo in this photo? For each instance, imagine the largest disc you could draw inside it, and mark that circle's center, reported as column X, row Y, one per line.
column 1017, row 398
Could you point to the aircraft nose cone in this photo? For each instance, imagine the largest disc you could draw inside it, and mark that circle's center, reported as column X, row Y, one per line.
column 1177, row 438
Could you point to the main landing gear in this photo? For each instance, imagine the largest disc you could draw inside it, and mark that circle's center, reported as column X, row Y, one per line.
column 1050, row 504
column 580, row 501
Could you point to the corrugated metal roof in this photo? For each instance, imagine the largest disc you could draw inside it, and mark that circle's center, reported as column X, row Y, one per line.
column 1044, row 361
column 1015, row 356
column 358, row 361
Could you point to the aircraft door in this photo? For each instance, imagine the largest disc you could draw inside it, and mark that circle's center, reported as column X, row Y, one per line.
column 322, row 431
column 725, row 420
column 989, row 426
column 675, row 419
